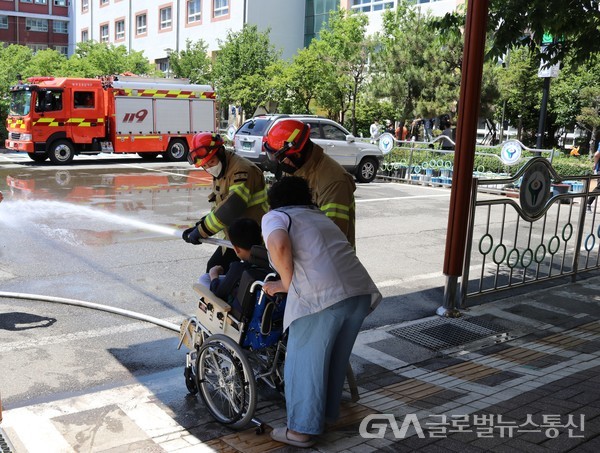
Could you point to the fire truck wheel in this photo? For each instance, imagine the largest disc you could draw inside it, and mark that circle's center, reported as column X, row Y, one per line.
column 38, row 157
column 61, row 152
column 177, row 151
column 148, row 156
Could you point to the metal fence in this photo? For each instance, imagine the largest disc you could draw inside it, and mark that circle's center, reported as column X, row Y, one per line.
column 427, row 163
column 506, row 248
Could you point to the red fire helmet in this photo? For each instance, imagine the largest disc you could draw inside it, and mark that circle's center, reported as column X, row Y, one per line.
column 204, row 146
column 287, row 136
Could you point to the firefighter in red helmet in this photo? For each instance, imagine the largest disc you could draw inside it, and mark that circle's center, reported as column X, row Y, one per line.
column 238, row 190
column 289, row 146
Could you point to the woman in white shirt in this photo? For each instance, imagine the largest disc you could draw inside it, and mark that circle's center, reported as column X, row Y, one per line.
column 329, row 293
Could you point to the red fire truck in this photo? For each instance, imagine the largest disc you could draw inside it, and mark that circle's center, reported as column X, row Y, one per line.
column 58, row 118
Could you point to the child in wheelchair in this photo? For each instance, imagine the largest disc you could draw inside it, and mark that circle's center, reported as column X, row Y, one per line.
column 236, row 337
column 244, row 233
column 236, row 294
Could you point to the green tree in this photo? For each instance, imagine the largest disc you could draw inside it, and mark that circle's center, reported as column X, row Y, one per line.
column 300, row 80
column 417, row 65
column 137, row 63
column 344, row 48
column 240, row 66
column 14, row 60
column 570, row 95
column 399, row 63
column 441, row 72
column 46, row 62
column 93, row 59
column 520, row 93
column 590, row 112
column 514, row 23
column 192, row 63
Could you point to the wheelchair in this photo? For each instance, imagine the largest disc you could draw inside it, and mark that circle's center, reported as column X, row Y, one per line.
column 231, row 350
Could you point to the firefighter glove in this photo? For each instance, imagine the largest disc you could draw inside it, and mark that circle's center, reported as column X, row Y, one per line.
column 191, row 236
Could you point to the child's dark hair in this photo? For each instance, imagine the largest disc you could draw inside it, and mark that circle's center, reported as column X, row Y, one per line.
column 244, row 233
column 289, row 191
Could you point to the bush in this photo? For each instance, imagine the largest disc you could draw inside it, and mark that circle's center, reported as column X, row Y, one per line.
column 563, row 164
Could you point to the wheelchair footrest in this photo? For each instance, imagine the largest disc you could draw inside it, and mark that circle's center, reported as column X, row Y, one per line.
column 188, row 333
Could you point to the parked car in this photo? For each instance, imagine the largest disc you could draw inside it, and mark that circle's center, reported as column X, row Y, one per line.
column 359, row 158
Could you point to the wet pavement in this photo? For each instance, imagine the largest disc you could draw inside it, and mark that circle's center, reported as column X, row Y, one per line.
column 519, row 373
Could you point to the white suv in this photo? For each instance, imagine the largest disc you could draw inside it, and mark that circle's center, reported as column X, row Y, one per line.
column 358, row 158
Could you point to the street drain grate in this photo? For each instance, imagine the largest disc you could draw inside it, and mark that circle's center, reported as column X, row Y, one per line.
column 5, row 446
column 443, row 333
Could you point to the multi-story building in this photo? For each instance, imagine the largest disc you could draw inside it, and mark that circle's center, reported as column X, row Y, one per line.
column 38, row 24
column 158, row 27
column 374, row 9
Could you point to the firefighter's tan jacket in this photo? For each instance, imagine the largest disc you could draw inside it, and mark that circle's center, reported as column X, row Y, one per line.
column 240, row 192
column 332, row 189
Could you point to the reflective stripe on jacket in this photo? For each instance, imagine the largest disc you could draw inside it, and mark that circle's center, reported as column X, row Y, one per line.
column 332, row 188
column 240, row 192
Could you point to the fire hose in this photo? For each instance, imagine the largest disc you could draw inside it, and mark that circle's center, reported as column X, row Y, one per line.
column 107, row 308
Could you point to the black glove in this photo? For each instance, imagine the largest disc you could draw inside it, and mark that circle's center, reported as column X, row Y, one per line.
column 191, row 236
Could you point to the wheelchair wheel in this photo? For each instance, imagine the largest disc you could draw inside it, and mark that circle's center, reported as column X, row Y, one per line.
column 225, row 381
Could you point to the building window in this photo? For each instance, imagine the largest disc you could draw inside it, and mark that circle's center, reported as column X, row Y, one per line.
column 104, row 33
column 26, row 1
column 194, row 11
column 119, row 30
column 3, row 21
column 316, row 18
column 36, row 24
column 165, row 18
column 40, row 2
column 221, row 8
column 140, row 24
column 60, row 26
column 163, row 65
column 60, row 3
column 85, row 6
column 367, row 6
column 104, row 2
column 64, row 50
column 85, row 36
column 37, row 47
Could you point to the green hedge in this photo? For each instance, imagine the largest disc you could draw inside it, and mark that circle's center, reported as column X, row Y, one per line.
column 564, row 165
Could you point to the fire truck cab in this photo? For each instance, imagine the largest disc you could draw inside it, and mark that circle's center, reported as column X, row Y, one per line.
column 58, row 118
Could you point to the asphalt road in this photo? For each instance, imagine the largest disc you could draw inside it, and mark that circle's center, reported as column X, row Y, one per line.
column 104, row 230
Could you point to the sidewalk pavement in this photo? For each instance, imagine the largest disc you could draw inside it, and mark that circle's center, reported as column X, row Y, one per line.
column 519, row 374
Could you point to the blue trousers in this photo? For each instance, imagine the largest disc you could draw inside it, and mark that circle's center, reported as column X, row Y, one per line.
column 318, row 353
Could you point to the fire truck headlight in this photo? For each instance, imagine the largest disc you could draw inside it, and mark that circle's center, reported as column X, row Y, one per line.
column 26, row 137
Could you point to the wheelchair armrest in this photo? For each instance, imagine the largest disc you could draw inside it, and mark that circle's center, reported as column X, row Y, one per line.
column 209, row 296
column 214, row 315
